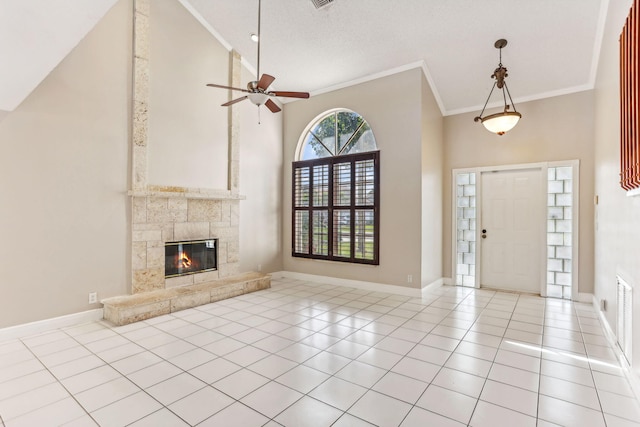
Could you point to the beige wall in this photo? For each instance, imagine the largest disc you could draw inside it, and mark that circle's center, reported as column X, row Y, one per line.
column 261, row 183
column 392, row 106
column 187, row 136
column 617, row 251
column 559, row 128
column 432, row 186
column 65, row 215
column 64, row 210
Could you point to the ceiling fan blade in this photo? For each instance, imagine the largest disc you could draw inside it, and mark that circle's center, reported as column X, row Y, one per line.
column 272, row 106
column 226, row 104
column 227, row 87
column 265, row 81
column 291, row 94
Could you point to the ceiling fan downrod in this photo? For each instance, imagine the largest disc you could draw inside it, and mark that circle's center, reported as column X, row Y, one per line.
column 257, row 91
column 259, row 37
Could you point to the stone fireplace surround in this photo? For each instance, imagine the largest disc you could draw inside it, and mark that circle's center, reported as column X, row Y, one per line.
column 161, row 214
column 172, row 214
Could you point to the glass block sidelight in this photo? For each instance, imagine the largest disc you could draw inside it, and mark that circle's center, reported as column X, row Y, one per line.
column 466, row 229
column 559, row 226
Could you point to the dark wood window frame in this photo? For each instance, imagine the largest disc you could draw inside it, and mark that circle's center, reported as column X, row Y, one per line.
column 314, row 197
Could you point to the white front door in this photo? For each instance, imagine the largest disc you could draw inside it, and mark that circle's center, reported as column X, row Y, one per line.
column 511, row 225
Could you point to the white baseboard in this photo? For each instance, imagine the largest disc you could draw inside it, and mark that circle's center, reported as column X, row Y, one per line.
column 633, row 378
column 357, row 284
column 585, row 297
column 27, row 329
column 434, row 285
column 448, row 281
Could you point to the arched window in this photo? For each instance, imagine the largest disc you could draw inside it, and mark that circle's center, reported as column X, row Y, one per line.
column 336, row 190
column 337, row 133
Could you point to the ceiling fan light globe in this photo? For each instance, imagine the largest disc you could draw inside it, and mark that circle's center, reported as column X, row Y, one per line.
column 258, row 98
column 500, row 123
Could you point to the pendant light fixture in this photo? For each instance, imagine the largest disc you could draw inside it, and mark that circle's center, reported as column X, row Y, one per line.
column 504, row 121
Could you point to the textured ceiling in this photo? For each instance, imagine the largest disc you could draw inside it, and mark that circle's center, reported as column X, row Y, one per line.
column 553, row 44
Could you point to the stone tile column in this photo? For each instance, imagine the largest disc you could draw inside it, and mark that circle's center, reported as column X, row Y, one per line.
column 234, row 127
column 140, row 94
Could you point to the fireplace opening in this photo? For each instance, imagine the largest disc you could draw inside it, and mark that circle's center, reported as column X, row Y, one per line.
column 191, row 257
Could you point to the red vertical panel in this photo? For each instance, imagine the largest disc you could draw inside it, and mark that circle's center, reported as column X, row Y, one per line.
column 624, row 95
column 629, row 100
column 635, row 142
column 623, row 104
column 628, row 123
column 630, row 107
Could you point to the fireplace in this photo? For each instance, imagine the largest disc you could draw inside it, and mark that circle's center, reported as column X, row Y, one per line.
column 197, row 256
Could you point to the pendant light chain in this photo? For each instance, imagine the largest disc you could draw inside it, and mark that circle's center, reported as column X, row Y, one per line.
column 507, row 89
column 504, row 97
column 511, row 100
column 486, row 102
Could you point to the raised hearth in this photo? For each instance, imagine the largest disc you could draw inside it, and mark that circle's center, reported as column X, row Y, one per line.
column 126, row 309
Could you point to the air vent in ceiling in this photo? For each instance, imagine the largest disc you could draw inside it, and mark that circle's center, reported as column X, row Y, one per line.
column 321, row 3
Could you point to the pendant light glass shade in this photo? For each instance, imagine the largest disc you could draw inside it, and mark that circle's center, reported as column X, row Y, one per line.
column 500, row 123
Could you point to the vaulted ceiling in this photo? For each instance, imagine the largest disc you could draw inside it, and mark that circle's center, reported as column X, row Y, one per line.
column 553, row 45
column 35, row 35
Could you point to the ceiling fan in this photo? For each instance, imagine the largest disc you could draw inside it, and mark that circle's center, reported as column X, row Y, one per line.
column 257, row 91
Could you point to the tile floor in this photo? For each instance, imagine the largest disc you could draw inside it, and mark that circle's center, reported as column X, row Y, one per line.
column 303, row 354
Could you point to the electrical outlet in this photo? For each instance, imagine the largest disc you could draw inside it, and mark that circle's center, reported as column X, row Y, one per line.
column 603, row 305
column 409, row 278
column 93, row 297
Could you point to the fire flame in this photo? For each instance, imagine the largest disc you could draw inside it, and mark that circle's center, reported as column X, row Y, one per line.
column 183, row 260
